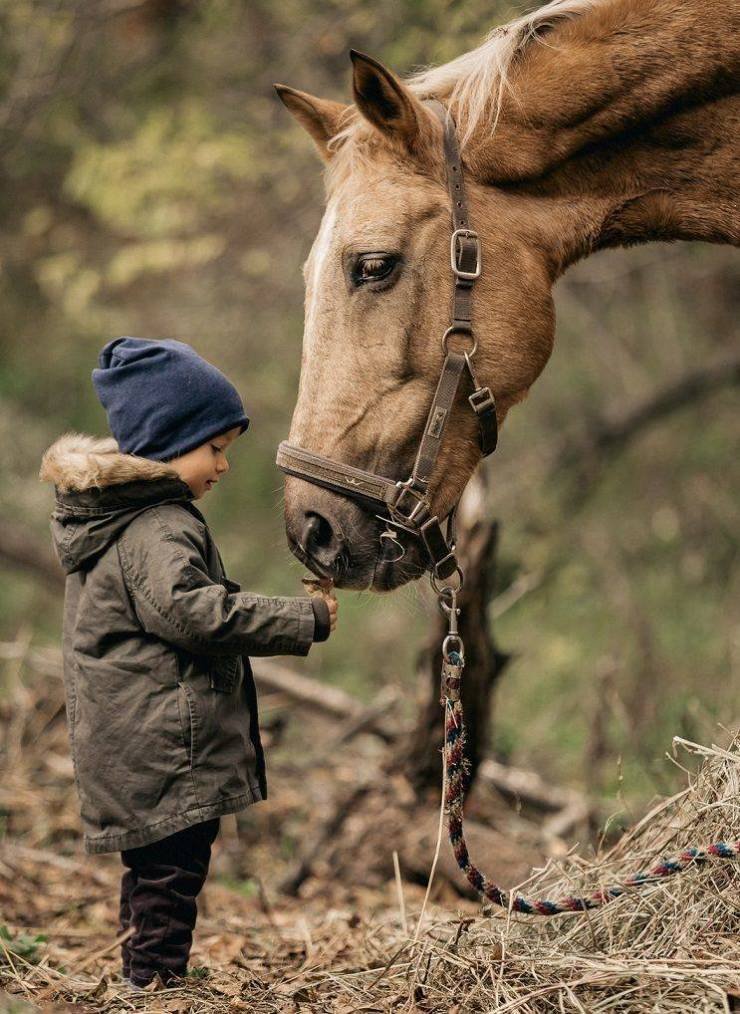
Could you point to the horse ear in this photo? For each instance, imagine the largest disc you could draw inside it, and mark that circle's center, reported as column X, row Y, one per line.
column 386, row 102
column 320, row 117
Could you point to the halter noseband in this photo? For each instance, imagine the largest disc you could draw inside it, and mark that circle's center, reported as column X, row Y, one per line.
column 405, row 506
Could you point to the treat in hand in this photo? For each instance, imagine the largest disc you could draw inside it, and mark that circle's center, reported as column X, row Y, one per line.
column 323, row 587
column 318, row 585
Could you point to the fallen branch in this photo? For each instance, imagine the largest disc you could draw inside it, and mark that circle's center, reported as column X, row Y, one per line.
column 528, row 786
column 571, row 807
column 269, row 675
column 369, row 720
column 328, row 699
column 562, row 823
column 24, row 855
column 47, row 661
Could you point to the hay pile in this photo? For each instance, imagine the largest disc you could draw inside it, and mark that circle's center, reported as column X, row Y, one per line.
column 671, row 946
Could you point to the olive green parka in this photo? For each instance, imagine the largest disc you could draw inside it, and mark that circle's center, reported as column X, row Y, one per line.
column 161, row 702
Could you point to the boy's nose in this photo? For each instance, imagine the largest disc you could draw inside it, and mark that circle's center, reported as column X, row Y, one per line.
column 320, row 541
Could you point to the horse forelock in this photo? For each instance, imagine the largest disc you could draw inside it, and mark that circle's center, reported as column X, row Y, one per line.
column 355, row 147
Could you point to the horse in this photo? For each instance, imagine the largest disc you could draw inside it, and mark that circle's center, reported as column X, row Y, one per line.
column 585, row 125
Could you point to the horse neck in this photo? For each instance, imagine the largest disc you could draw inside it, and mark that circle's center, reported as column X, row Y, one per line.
column 621, row 65
column 621, row 129
column 676, row 179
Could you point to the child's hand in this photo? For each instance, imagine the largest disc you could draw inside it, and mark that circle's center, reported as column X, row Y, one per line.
column 323, row 588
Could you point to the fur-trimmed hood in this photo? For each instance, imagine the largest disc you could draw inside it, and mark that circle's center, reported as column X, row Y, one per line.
column 99, row 491
column 76, row 462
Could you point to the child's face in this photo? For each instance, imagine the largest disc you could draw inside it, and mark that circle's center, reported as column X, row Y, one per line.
column 203, row 467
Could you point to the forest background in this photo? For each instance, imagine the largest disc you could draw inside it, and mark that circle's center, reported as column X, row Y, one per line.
column 152, row 184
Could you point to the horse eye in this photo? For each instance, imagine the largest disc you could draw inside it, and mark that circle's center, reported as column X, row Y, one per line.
column 372, row 267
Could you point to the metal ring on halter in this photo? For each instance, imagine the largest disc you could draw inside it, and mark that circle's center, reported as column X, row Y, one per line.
column 441, row 589
column 459, row 329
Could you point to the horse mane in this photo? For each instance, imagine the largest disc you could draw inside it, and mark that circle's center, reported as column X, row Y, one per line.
column 473, row 84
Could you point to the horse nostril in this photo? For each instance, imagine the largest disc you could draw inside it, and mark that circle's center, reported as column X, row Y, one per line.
column 317, row 531
column 320, row 540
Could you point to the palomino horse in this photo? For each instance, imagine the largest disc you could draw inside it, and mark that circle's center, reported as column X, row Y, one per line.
column 588, row 124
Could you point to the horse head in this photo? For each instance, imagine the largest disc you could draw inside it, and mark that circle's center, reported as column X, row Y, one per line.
column 378, row 298
column 619, row 131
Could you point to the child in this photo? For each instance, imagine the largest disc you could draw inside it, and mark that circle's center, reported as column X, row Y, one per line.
column 160, row 697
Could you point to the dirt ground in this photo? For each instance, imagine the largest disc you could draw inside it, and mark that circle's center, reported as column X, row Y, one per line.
column 315, row 897
column 321, row 953
column 256, row 948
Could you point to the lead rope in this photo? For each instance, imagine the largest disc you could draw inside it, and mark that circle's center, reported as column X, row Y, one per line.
column 455, row 784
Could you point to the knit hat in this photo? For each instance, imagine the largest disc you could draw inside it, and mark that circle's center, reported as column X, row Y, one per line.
column 162, row 399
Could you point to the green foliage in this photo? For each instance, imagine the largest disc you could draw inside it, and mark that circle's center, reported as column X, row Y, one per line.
column 21, row 945
column 247, row 888
column 197, row 972
column 167, row 178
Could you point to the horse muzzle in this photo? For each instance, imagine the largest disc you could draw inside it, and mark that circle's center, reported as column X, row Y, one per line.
column 338, row 538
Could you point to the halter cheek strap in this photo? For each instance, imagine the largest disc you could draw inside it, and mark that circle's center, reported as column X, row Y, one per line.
column 406, row 506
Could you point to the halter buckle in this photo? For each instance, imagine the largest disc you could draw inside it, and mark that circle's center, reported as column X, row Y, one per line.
column 482, row 400
column 405, row 489
column 457, row 251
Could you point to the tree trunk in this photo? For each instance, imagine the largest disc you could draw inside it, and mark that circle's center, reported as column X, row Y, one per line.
column 421, row 755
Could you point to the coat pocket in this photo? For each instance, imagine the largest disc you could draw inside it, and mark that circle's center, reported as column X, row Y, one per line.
column 226, row 673
column 188, row 718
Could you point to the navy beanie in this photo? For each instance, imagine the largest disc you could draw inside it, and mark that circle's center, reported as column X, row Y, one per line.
column 162, row 399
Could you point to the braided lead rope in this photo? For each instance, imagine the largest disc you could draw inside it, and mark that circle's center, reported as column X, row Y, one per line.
column 455, row 798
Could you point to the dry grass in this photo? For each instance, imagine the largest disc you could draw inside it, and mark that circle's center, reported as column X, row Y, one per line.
column 673, row 946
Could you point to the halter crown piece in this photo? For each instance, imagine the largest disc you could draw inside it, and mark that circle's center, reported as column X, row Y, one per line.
column 405, row 506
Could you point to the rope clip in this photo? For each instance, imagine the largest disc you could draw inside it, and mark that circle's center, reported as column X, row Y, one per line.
column 448, row 605
column 453, row 649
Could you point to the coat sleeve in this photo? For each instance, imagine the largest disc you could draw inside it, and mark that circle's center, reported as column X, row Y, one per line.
column 176, row 600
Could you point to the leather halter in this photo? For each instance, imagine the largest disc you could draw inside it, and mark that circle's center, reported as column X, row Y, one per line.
column 406, row 506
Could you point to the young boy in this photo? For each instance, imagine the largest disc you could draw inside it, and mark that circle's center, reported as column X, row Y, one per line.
column 161, row 702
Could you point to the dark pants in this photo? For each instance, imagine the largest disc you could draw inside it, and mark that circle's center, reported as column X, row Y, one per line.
column 158, row 892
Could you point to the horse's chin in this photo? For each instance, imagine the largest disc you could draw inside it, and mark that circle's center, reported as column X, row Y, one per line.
column 389, row 576
column 380, row 575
